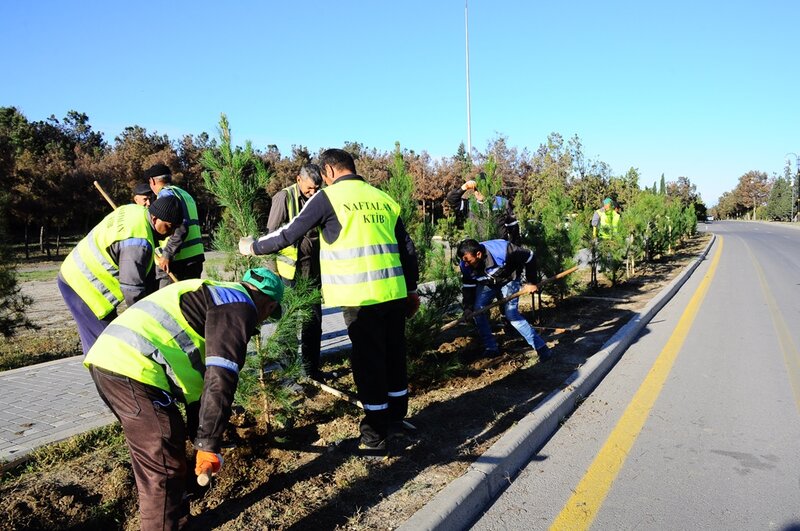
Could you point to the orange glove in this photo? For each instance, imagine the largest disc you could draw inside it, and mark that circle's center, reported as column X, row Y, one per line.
column 412, row 304
column 207, row 463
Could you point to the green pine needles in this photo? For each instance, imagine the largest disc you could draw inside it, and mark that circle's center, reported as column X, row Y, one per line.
column 238, row 178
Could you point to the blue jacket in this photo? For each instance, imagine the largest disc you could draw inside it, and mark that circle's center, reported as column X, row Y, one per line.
column 503, row 262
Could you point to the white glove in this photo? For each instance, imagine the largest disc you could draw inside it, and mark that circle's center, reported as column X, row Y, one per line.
column 246, row 245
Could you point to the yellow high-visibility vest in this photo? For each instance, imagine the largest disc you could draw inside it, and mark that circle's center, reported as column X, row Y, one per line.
column 193, row 244
column 153, row 343
column 287, row 258
column 362, row 266
column 91, row 271
column 609, row 223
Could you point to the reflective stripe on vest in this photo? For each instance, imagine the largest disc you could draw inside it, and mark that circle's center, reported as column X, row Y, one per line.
column 91, row 272
column 286, row 261
column 153, row 343
column 362, row 266
column 193, row 244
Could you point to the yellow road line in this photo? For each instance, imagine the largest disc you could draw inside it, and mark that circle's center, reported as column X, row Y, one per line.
column 582, row 507
column 791, row 355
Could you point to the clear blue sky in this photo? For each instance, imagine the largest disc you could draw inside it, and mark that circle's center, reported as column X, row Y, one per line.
column 706, row 90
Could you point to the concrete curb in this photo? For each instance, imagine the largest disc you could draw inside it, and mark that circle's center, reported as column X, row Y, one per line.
column 461, row 502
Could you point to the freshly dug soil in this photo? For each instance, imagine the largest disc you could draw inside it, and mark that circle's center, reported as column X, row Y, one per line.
column 306, row 476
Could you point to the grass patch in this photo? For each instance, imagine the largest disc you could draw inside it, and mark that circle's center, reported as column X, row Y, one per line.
column 48, row 457
column 37, row 275
column 30, row 347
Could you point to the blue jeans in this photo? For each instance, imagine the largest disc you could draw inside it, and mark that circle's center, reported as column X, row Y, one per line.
column 484, row 296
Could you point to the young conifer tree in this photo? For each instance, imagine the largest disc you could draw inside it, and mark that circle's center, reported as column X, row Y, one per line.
column 12, row 302
column 433, row 264
column 238, row 178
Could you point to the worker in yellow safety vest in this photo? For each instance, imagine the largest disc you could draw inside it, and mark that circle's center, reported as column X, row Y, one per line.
column 605, row 221
column 301, row 260
column 184, row 343
column 369, row 267
column 182, row 254
column 114, row 262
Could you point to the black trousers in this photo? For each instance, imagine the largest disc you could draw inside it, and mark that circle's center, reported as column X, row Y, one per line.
column 156, row 437
column 378, row 359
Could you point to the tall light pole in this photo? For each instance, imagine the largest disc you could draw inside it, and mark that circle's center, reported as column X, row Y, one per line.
column 469, row 119
column 794, row 182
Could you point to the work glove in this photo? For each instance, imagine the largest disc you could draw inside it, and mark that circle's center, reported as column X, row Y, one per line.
column 412, row 304
column 207, row 463
column 246, row 245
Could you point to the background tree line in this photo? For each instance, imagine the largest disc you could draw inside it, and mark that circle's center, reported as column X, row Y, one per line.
column 47, row 167
column 757, row 196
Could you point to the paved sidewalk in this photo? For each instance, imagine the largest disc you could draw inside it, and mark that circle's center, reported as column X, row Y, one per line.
column 53, row 401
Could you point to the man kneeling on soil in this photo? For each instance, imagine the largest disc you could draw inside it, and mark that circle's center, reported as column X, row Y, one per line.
column 493, row 269
column 185, row 343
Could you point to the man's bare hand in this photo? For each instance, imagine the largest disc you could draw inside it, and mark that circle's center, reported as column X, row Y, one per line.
column 163, row 263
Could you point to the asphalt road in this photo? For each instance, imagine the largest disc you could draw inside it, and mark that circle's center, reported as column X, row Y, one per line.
column 698, row 425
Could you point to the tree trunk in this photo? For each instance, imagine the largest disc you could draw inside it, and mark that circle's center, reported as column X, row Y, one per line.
column 27, row 240
column 58, row 241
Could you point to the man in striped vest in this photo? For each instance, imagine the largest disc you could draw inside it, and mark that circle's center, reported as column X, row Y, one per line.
column 182, row 254
column 369, row 267
column 493, row 270
column 184, row 343
column 114, row 262
column 301, row 259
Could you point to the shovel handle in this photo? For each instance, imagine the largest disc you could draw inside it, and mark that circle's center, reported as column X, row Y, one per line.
column 105, row 195
column 204, row 477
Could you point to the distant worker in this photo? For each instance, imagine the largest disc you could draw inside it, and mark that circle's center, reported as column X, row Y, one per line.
column 143, row 195
column 507, row 226
column 182, row 255
column 368, row 267
column 301, row 259
column 114, row 262
column 605, row 221
column 185, row 343
column 493, row 269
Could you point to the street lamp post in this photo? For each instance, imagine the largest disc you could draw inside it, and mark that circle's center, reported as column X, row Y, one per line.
column 794, row 183
column 469, row 118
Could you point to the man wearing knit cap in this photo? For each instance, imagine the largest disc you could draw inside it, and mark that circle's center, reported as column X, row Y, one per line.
column 185, row 343
column 143, row 195
column 182, row 254
column 114, row 262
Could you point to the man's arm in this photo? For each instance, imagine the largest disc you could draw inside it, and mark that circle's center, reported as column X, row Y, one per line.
column 278, row 214
column 228, row 330
column 469, row 288
column 408, row 256
column 134, row 256
column 518, row 258
column 179, row 236
column 316, row 211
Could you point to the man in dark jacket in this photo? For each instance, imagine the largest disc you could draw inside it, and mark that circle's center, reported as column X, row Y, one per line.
column 501, row 208
column 182, row 254
column 301, row 259
column 184, row 343
column 369, row 268
column 493, row 269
